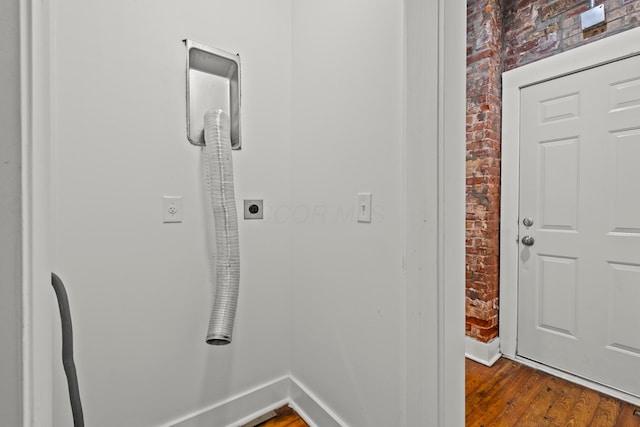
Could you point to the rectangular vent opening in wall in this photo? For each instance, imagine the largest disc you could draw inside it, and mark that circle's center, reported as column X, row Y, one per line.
column 213, row 83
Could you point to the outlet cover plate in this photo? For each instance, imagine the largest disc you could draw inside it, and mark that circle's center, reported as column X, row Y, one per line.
column 364, row 207
column 253, row 209
column 171, row 209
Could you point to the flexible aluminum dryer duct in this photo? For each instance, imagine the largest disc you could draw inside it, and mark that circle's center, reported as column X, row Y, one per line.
column 218, row 170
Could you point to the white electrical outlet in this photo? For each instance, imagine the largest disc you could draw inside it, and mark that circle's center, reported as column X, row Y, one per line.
column 171, row 209
column 253, row 209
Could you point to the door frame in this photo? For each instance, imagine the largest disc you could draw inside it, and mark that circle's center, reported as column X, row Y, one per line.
column 594, row 54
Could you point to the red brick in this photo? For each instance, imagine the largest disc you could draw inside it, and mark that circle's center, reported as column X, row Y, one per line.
column 483, row 174
column 558, row 7
column 502, row 36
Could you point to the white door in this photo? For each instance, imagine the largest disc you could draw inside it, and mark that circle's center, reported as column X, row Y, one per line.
column 579, row 274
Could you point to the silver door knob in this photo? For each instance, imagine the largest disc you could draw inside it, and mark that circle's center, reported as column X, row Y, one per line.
column 528, row 222
column 528, row 241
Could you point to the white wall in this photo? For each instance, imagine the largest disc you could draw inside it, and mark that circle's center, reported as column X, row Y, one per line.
column 326, row 88
column 347, row 281
column 11, row 224
column 138, row 288
column 378, row 99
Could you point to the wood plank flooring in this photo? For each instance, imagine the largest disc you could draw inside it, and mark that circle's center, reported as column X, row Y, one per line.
column 286, row 417
column 511, row 394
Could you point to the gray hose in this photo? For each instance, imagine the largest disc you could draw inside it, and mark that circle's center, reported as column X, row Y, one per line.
column 67, row 350
column 218, row 172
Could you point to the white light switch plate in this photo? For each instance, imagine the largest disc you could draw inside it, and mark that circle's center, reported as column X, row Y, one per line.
column 364, row 207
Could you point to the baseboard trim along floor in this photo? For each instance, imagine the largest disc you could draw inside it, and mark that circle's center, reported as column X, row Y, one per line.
column 485, row 353
column 248, row 406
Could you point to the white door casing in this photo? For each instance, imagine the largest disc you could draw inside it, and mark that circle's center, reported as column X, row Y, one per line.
column 579, row 282
column 588, row 56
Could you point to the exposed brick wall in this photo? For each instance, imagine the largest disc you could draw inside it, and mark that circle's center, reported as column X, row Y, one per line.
column 484, row 65
column 536, row 29
column 502, row 35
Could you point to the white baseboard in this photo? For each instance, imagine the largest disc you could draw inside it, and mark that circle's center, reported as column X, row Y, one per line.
column 485, row 353
column 253, row 403
column 310, row 408
column 239, row 408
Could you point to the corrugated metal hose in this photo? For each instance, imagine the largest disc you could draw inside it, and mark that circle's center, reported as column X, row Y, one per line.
column 218, row 175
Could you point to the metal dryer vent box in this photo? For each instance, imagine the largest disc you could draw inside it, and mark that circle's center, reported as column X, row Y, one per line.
column 213, row 82
column 592, row 17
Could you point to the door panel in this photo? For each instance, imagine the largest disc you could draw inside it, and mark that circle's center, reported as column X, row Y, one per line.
column 625, row 94
column 559, row 175
column 579, row 283
column 624, row 317
column 625, row 167
column 557, row 295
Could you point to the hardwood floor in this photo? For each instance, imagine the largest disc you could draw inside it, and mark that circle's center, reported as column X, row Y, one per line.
column 286, row 417
column 511, row 394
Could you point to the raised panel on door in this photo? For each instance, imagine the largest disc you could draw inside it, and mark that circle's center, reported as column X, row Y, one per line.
column 559, row 194
column 624, row 181
column 624, row 316
column 556, row 295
